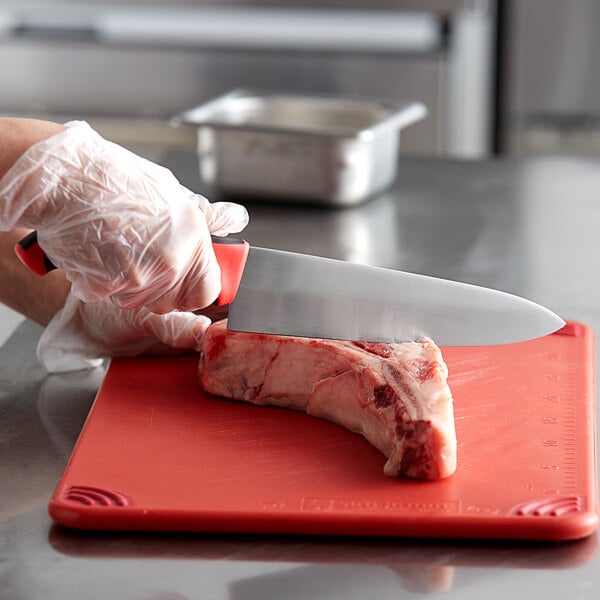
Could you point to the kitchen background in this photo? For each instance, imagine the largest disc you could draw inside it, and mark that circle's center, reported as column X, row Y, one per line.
column 499, row 77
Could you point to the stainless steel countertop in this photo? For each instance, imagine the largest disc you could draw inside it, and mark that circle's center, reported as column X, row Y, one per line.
column 528, row 227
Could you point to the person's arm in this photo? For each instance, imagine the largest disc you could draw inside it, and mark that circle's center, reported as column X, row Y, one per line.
column 17, row 135
column 37, row 298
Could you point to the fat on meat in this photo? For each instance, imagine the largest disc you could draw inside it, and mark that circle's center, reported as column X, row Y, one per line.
column 395, row 395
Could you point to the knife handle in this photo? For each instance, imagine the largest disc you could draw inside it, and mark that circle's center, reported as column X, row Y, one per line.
column 32, row 256
column 231, row 255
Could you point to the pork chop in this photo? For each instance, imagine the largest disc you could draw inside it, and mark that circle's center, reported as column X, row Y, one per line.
column 395, row 395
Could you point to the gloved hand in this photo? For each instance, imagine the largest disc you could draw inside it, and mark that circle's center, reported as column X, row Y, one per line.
column 119, row 226
column 82, row 334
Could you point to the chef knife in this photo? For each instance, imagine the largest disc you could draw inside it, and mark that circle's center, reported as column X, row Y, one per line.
column 286, row 293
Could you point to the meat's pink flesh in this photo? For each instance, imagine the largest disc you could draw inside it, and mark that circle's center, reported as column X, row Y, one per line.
column 395, row 395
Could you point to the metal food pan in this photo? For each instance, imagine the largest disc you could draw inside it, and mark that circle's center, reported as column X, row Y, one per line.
column 335, row 150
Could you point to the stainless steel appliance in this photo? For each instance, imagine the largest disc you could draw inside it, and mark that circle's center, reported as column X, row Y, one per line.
column 551, row 98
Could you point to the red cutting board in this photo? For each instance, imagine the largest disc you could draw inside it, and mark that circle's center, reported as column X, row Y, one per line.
column 158, row 454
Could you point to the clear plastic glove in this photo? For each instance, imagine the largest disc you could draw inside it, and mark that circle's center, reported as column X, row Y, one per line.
column 82, row 334
column 119, row 226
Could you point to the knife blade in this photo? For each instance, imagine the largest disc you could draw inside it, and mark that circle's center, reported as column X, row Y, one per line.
column 300, row 295
column 286, row 293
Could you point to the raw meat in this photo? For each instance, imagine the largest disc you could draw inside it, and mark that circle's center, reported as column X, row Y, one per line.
column 395, row 395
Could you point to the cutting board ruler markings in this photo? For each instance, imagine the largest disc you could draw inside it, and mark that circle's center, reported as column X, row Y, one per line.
column 560, row 399
column 569, row 437
column 565, row 398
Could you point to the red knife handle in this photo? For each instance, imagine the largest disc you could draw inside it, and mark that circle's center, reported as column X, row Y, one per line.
column 231, row 255
column 32, row 256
